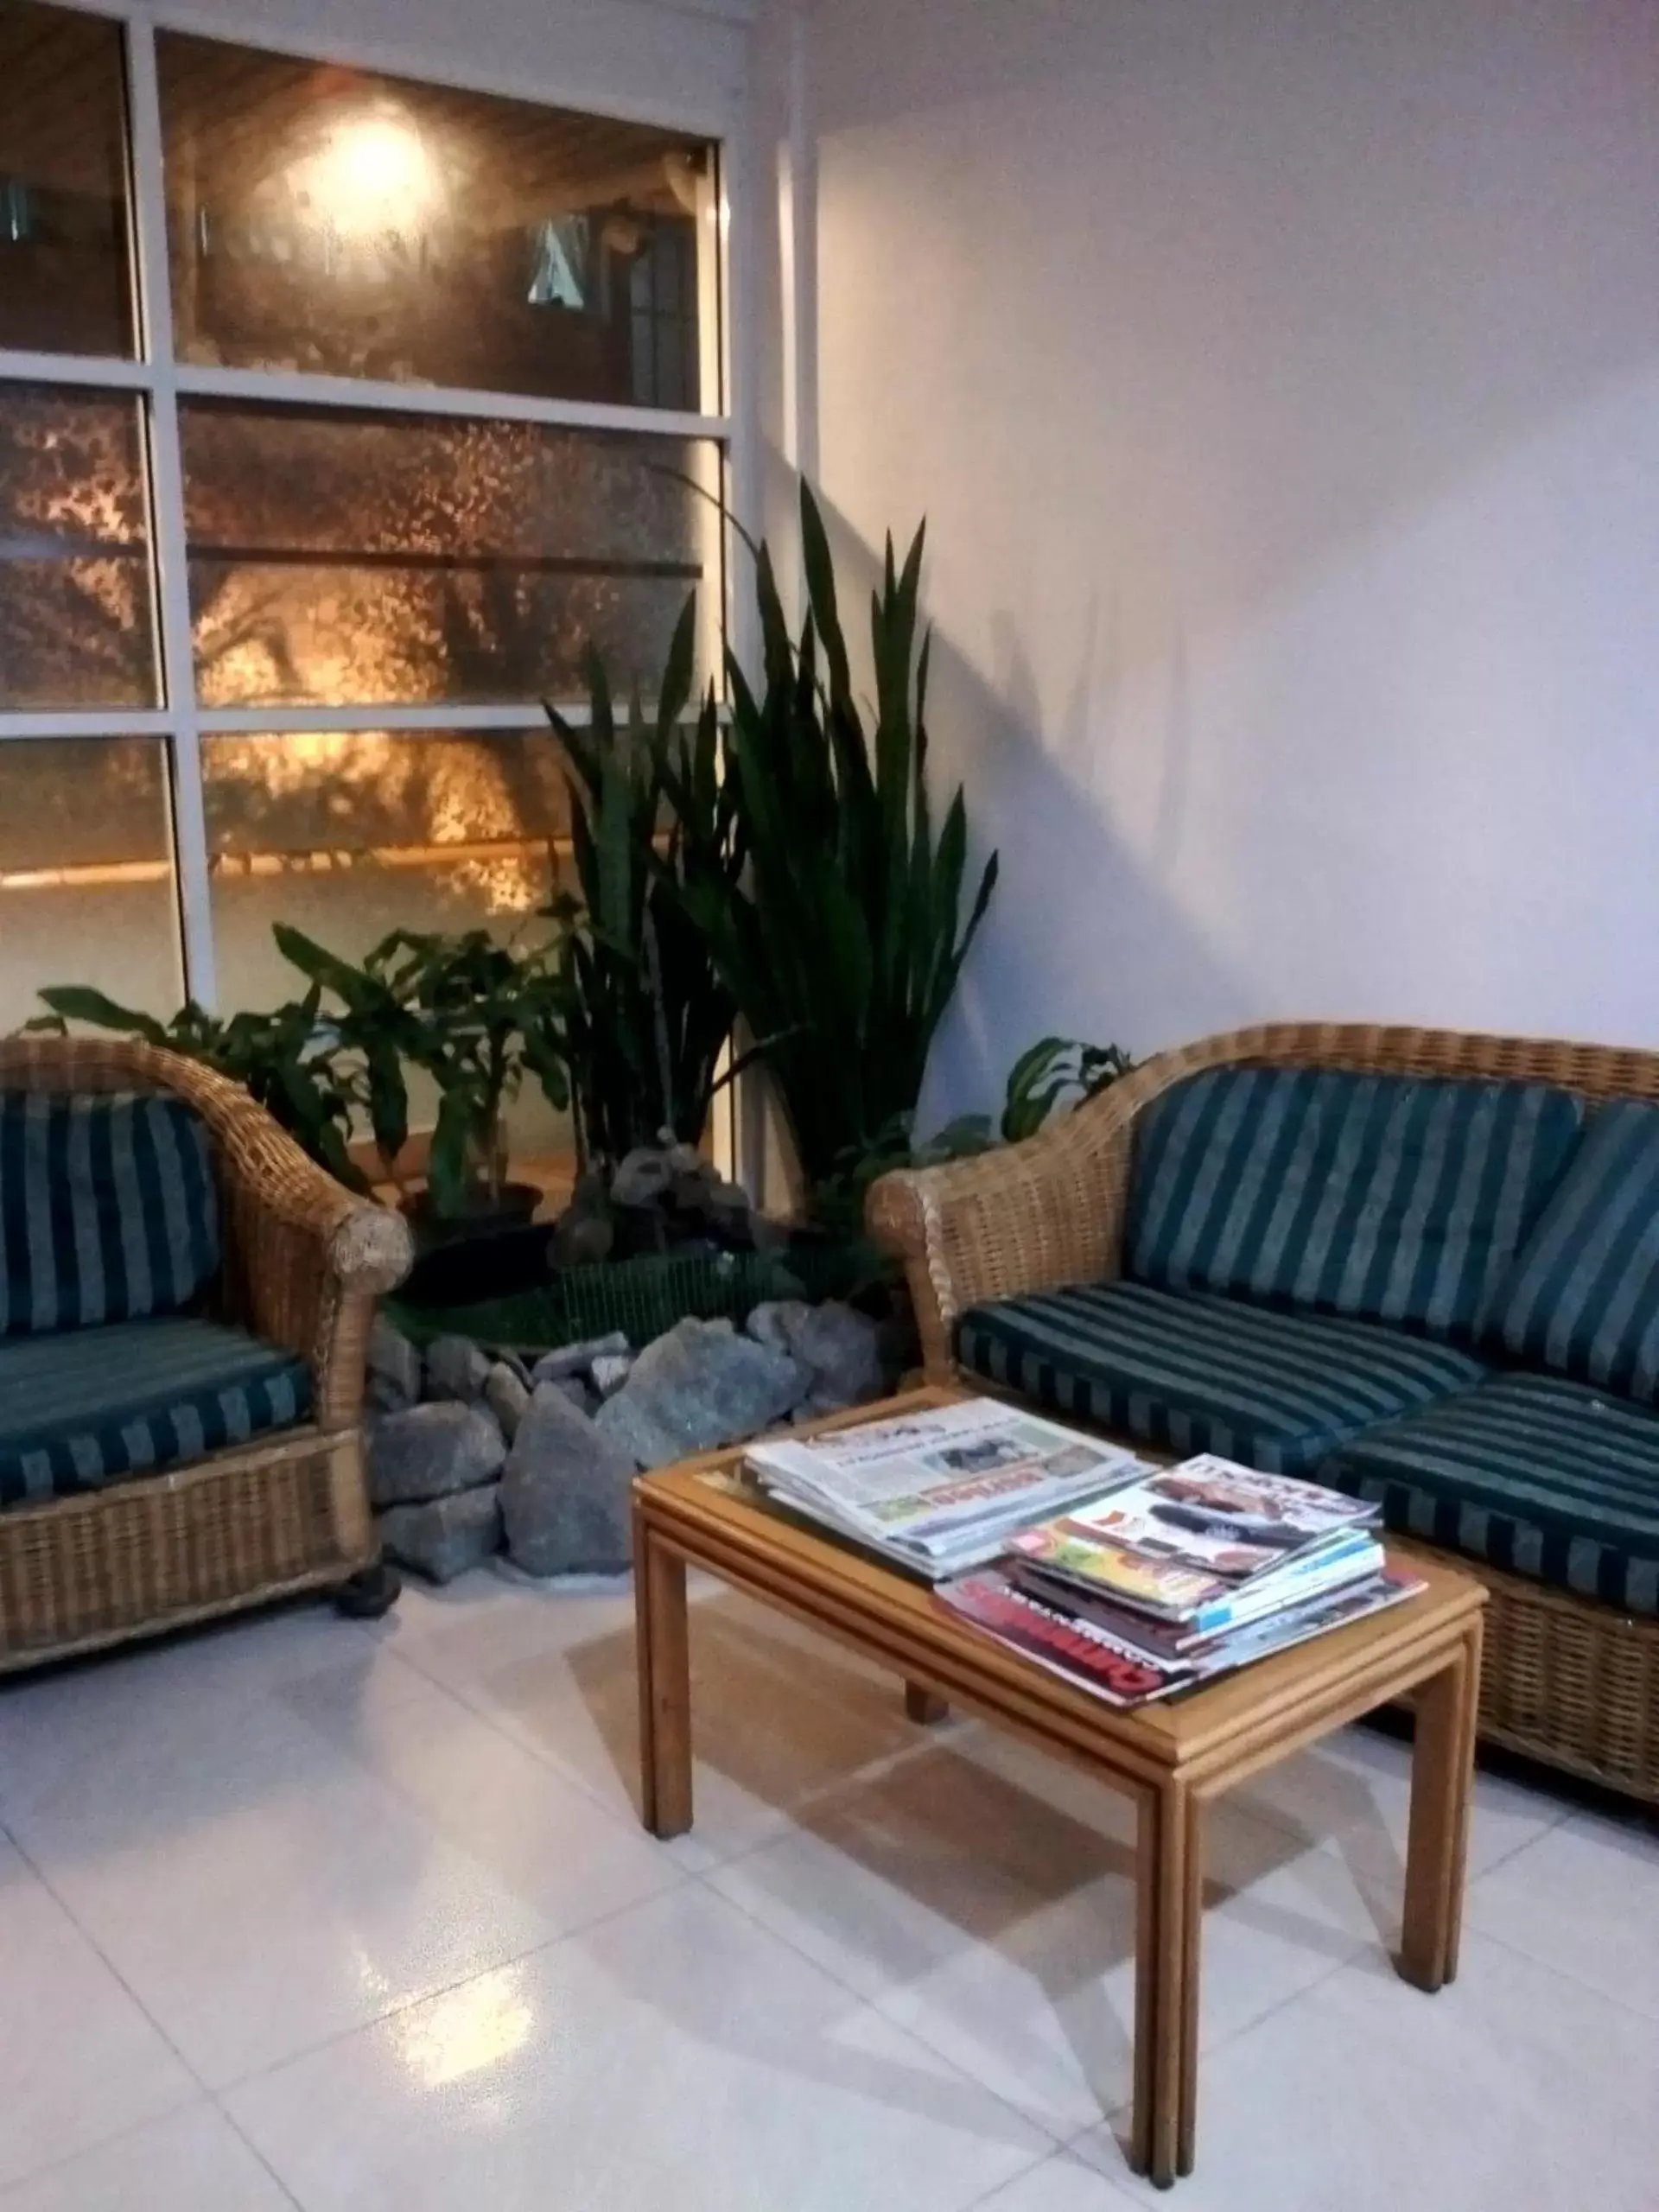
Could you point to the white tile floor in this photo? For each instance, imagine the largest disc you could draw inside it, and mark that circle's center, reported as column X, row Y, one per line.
column 304, row 1913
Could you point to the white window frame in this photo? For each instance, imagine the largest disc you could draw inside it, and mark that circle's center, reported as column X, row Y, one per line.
column 164, row 381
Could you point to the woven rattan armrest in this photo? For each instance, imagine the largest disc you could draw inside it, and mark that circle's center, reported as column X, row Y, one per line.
column 1030, row 1216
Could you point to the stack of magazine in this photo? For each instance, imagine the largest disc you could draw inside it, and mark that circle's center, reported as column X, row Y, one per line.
column 1181, row 1574
column 943, row 1490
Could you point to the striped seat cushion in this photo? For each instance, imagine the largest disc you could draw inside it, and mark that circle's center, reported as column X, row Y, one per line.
column 1533, row 1474
column 107, row 1210
column 1583, row 1295
column 1388, row 1197
column 1197, row 1373
column 89, row 1406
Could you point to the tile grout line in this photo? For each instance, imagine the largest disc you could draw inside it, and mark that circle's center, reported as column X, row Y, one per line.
column 1562, row 1974
column 867, row 2004
column 99, row 1952
column 412, row 2004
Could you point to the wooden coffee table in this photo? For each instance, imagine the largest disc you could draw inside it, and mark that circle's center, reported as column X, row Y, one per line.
column 1172, row 1759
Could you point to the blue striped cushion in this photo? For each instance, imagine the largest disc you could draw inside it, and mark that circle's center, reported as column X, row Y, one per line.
column 107, row 1210
column 1389, row 1198
column 1583, row 1295
column 1279, row 1390
column 90, row 1406
column 1535, row 1475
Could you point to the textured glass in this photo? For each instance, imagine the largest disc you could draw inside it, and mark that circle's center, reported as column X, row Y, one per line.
column 75, row 628
column 347, row 558
column 325, row 220
column 348, row 836
column 64, row 280
column 86, row 892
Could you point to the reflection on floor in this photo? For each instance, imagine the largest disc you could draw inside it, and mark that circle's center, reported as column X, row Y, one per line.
column 299, row 1912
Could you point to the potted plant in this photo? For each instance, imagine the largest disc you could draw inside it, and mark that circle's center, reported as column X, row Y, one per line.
column 471, row 1013
column 841, row 938
column 646, row 1010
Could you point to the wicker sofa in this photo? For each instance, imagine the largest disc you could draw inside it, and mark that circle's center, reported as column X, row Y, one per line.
column 298, row 1263
column 996, row 1246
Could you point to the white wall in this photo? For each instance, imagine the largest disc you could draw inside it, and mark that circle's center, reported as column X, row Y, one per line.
column 1280, row 382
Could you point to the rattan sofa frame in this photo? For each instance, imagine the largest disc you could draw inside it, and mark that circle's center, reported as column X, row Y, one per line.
column 1565, row 1679
column 304, row 1261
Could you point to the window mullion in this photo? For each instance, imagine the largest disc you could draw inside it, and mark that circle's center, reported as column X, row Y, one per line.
column 168, row 516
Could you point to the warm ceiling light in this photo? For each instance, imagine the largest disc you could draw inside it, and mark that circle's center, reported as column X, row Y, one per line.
column 382, row 159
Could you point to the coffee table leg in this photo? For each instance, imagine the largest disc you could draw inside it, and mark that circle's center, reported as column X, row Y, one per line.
column 1169, row 1876
column 1442, row 1767
column 923, row 1706
column 664, row 1683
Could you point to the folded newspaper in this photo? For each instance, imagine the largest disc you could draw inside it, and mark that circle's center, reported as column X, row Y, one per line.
column 943, row 1490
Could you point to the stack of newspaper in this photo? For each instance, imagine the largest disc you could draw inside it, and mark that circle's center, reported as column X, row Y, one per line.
column 943, row 1490
column 1182, row 1573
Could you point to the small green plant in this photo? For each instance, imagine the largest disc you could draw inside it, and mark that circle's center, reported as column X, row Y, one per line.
column 473, row 1014
column 291, row 1060
column 842, row 940
column 1057, row 1071
column 646, row 1010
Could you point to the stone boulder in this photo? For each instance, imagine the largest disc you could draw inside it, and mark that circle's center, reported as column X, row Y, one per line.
column 507, row 1396
column 839, row 1347
column 456, row 1368
column 609, row 1372
column 394, row 1366
column 576, row 1359
column 565, row 1496
column 699, row 1387
column 428, row 1451
column 443, row 1537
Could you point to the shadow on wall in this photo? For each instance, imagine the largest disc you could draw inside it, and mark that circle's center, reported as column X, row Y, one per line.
column 1280, row 383
column 1076, row 909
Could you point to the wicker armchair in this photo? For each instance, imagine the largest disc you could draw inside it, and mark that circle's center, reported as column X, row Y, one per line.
column 1566, row 1679
column 303, row 1263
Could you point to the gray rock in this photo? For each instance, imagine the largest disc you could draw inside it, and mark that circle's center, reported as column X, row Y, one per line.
column 506, row 1398
column 774, row 1320
column 445, row 1536
column 841, row 1351
column 504, row 1356
column 642, row 1177
column 696, row 1388
column 584, row 1399
column 394, row 1363
column 456, row 1368
column 382, row 1395
column 574, row 1359
column 610, row 1370
column 428, row 1450
column 565, row 1497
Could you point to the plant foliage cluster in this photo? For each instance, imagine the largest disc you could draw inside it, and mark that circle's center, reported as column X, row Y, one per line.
column 776, row 870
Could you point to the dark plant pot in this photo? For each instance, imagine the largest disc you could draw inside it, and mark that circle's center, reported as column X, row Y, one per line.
column 495, row 1252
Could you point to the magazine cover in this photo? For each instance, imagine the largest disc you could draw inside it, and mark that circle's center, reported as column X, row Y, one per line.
column 1110, row 1596
column 1089, row 1660
column 1158, row 1586
column 1283, row 1631
column 1213, row 1515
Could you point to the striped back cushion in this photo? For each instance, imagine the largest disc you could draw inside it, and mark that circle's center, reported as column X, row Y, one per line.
column 1583, row 1296
column 1388, row 1197
column 107, row 1209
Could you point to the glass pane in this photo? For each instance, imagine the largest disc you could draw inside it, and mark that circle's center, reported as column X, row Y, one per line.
column 86, row 892
column 360, row 559
column 362, row 226
column 349, row 835
column 64, row 283
column 75, row 628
